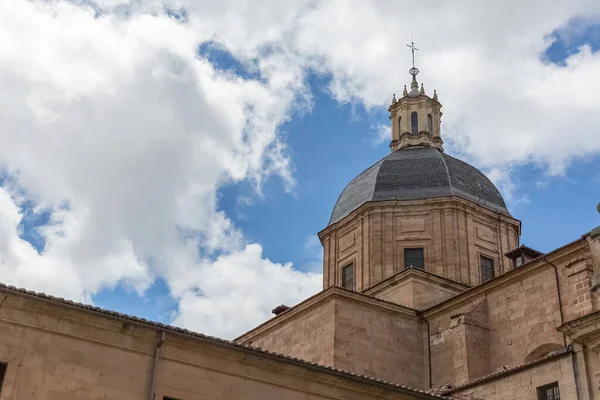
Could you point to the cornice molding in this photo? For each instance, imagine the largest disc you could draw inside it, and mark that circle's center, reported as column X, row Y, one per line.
column 438, row 203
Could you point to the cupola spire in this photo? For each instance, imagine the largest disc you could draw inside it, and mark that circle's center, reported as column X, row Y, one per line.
column 414, row 85
column 415, row 116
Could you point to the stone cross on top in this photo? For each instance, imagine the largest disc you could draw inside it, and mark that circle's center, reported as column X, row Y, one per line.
column 412, row 48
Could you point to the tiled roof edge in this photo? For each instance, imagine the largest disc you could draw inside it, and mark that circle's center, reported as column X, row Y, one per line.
column 508, row 371
column 196, row 335
column 527, row 249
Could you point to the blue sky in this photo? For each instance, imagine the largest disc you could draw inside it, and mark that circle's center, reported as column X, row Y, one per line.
column 150, row 124
column 334, row 143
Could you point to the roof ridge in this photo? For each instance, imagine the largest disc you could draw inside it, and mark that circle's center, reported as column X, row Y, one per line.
column 410, row 267
column 493, row 185
column 516, row 368
column 447, row 173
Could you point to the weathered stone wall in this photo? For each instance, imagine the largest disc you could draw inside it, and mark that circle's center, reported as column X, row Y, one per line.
column 415, row 289
column 401, row 293
column 523, row 385
column 575, row 275
column 59, row 353
column 55, row 352
column 427, row 294
column 307, row 335
column 379, row 342
column 521, row 315
column 453, row 232
column 351, row 332
column 592, row 359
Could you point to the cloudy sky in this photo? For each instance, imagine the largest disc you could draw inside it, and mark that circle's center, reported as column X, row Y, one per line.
column 175, row 159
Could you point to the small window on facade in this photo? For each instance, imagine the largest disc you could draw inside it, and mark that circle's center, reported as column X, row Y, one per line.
column 414, row 122
column 2, row 373
column 486, row 265
column 414, row 258
column 348, row 277
column 430, row 124
column 399, row 128
column 548, row 392
column 169, row 398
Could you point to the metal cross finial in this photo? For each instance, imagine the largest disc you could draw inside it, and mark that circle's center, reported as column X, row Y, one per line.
column 412, row 48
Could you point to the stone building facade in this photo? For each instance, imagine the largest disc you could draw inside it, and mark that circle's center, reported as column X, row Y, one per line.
column 53, row 349
column 475, row 314
column 427, row 294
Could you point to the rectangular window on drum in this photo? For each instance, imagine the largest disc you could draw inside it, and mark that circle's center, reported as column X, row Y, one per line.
column 2, row 373
column 414, row 258
column 348, row 277
column 486, row 266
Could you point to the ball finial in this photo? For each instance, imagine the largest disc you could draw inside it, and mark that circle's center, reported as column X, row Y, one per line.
column 598, row 208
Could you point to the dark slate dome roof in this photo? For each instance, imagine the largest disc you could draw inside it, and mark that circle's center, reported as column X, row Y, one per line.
column 418, row 173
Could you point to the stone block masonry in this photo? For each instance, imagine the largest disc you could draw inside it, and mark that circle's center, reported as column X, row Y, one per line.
column 59, row 351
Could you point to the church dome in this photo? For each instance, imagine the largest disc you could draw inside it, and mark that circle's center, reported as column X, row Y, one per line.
column 415, row 173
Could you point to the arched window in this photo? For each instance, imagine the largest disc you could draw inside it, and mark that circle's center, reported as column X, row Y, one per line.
column 430, row 124
column 414, row 122
column 399, row 129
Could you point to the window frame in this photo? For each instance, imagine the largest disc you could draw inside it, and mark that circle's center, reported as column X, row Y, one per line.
column 3, row 369
column 350, row 266
column 542, row 391
column 407, row 265
column 483, row 257
column 414, row 123
column 399, row 123
column 430, row 123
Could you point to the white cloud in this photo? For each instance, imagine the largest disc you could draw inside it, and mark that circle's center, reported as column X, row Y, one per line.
column 312, row 255
column 120, row 121
column 508, row 187
column 504, row 106
column 116, row 127
column 238, row 290
column 381, row 134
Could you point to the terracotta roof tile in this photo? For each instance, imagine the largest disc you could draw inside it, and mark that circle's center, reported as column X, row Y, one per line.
column 523, row 249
